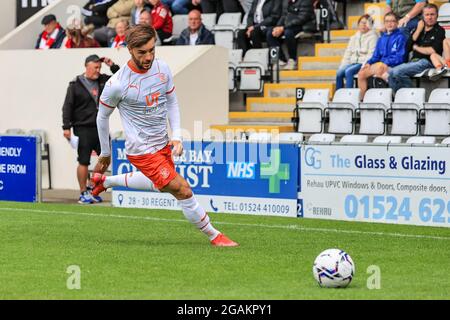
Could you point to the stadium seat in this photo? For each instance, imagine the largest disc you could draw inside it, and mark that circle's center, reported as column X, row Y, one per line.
column 234, row 58
column 444, row 18
column 290, row 137
column 180, row 22
column 436, row 113
column 421, row 140
column 310, row 110
column 209, row 20
column 253, row 70
column 45, row 151
column 405, row 112
column 446, row 141
column 387, row 139
column 372, row 113
column 322, row 138
column 260, row 137
column 340, row 113
column 224, row 30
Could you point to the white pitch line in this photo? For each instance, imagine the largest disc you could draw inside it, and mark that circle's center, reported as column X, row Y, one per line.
column 286, row 227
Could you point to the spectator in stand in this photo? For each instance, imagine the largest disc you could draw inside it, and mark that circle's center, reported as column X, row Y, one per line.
column 136, row 11
column 427, row 40
column 121, row 29
column 389, row 52
column 177, row 6
column 408, row 11
column 196, row 33
column 146, row 17
column 53, row 34
column 162, row 20
column 121, row 10
column 263, row 15
column 295, row 16
column 218, row 6
column 95, row 12
column 360, row 48
column 78, row 36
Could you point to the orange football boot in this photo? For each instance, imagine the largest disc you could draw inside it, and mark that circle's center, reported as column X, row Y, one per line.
column 97, row 182
column 223, row 241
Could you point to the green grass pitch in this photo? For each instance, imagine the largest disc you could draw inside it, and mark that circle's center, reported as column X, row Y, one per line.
column 153, row 254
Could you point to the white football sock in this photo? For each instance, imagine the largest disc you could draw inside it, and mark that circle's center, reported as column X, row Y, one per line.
column 195, row 213
column 133, row 180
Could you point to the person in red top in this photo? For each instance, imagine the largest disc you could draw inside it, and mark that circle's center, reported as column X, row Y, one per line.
column 162, row 20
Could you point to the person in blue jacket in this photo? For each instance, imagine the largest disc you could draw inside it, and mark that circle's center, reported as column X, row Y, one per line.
column 390, row 51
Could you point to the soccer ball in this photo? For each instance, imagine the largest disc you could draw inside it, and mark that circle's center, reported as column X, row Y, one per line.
column 333, row 268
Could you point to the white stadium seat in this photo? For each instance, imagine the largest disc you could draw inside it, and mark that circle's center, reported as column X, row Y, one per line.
column 421, row 140
column 340, row 110
column 310, row 110
column 290, row 137
column 437, row 113
column 405, row 111
column 253, row 69
column 224, row 30
column 180, row 22
column 444, row 18
column 234, row 58
column 322, row 138
column 340, row 113
column 372, row 113
column 209, row 20
column 387, row 139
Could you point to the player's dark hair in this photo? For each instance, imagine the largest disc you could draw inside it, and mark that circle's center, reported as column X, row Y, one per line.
column 139, row 35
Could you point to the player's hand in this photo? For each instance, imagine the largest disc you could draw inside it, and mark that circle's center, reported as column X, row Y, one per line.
column 67, row 134
column 177, row 147
column 102, row 164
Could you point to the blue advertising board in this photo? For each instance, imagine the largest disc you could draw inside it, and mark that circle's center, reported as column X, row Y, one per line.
column 19, row 174
column 264, row 175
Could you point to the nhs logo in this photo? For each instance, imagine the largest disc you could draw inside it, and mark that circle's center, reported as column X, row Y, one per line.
column 241, row 170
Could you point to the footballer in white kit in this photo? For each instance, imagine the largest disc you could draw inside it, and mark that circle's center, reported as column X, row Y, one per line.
column 144, row 93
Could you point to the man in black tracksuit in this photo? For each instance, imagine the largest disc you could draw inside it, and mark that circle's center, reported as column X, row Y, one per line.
column 295, row 16
column 80, row 113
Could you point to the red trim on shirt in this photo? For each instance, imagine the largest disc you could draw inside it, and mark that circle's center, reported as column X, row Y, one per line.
column 133, row 68
column 106, row 105
column 171, row 90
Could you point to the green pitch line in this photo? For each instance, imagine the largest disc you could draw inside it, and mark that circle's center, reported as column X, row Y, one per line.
column 154, row 254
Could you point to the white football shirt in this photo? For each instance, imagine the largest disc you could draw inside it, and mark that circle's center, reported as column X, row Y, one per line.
column 141, row 99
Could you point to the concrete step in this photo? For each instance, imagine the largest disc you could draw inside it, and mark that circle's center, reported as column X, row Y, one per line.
column 287, row 90
column 319, row 63
column 260, row 117
column 266, row 104
column 340, row 36
column 318, row 75
column 330, row 49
